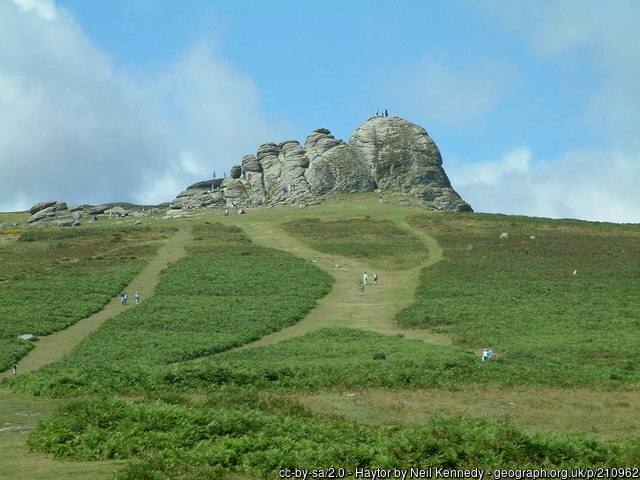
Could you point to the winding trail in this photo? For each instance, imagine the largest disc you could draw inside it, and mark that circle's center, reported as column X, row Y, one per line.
column 55, row 346
column 348, row 304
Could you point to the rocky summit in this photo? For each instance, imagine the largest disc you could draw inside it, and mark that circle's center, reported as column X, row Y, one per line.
column 388, row 154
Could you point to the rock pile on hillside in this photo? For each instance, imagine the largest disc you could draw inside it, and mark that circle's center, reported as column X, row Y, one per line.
column 57, row 214
column 389, row 154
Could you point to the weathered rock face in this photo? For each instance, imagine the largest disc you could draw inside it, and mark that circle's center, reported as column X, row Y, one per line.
column 41, row 206
column 334, row 166
column 386, row 153
column 402, row 157
column 236, row 171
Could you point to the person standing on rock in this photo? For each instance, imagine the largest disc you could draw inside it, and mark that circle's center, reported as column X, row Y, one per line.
column 365, row 278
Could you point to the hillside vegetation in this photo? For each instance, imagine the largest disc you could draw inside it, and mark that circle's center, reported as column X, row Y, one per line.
column 556, row 298
column 373, row 240
column 51, row 278
column 186, row 393
column 225, row 293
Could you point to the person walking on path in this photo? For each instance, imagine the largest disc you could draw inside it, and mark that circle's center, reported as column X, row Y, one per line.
column 365, row 278
column 15, row 368
column 375, row 278
column 125, row 298
column 122, row 298
column 137, row 298
column 484, row 354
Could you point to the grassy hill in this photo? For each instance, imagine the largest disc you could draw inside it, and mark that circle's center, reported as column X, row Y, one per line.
column 261, row 349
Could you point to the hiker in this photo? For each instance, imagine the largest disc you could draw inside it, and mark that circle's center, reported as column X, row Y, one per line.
column 241, row 211
column 137, row 298
column 15, row 368
column 386, row 114
column 365, row 277
column 380, row 198
column 375, row 278
column 491, row 354
column 122, row 298
column 125, row 298
column 226, row 212
column 484, row 354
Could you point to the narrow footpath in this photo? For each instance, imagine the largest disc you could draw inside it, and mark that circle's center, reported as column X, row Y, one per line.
column 19, row 412
column 349, row 303
column 53, row 347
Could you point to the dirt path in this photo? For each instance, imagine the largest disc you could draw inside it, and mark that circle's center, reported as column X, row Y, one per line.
column 349, row 304
column 53, row 347
column 20, row 412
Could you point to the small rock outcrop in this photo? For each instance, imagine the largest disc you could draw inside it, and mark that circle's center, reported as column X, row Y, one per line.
column 389, row 154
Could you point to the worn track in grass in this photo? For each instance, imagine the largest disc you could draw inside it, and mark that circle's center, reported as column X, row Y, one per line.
column 351, row 304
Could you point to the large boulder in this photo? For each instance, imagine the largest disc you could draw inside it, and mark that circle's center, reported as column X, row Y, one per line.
column 41, row 206
column 44, row 214
column 269, row 158
column 236, row 171
column 333, row 166
column 117, row 211
column 402, row 157
column 250, row 163
column 294, row 164
column 98, row 209
column 197, row 197
column 234, row 191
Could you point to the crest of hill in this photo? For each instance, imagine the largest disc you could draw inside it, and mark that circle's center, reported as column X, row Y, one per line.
column 389, row 154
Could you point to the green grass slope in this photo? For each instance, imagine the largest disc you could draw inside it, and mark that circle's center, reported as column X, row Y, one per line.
column 520, row 295
column 225, row 293
column 51, row 278
column 236, row 414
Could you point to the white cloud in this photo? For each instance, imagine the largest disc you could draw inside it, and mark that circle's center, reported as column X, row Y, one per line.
column 77, row 129
column 589, row 184
column 44, row 8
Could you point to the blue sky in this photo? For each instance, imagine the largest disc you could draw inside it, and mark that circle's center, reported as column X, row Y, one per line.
column 533, row 104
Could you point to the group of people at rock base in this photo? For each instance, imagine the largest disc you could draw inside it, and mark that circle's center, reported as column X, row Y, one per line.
column 488, row 354
column 124, row 297
column 365, row 278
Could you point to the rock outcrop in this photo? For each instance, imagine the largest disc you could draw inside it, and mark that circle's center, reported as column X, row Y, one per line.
column 388, row 154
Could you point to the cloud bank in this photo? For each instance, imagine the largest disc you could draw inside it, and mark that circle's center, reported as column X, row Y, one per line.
column 589, row 184
column 77, row 128
column 593, row 184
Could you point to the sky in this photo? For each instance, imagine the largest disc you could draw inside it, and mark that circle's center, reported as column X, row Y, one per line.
column 533, row 104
